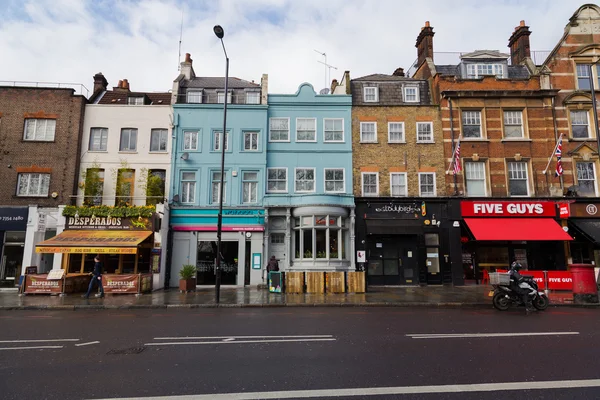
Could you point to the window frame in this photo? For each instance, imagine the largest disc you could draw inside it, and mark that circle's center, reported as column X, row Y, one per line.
column 376, row 94
column 212, row 173
column 197, row 134
column 250, row 132
column 477, row 75
column 504, row 125
column 589, row 69
column 595, row 178
column 253, row 92
column 130, row 131
column 189, row 182
column 315, row 130
column 199, row 92
column 136, row 100
column 214, row 143
column 91, row 136
column 279, row 130
column 430, row 123
column 296, row 180
column 325, row 140
column 588, row 124
column 362, row 184
column 343, row 190
column 421, row 174
column 41, row 176
column 221, row 93
column 362, row 123
column 250, row 181
column 417, row 94
column 278, row 180
column 161, row 130
column 405, row 184
column 508, row 179
column 466, row 164
column 35, row 138
column 462, row 125
column 401, row 123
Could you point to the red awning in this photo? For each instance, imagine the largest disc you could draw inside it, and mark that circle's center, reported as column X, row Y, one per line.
column 516, row 229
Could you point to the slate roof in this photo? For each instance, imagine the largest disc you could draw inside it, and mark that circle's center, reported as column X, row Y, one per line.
column 120, row 97
column 382, row 77
column 218, row 82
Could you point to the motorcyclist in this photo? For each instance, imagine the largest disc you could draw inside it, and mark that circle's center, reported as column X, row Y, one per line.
column 515, row 280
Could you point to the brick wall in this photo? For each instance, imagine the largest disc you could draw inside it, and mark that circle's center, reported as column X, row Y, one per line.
column 60, row 158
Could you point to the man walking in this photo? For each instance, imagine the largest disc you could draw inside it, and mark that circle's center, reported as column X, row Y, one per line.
column 96, row 277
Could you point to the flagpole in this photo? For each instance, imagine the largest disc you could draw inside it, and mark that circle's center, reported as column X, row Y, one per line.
column 553, row 154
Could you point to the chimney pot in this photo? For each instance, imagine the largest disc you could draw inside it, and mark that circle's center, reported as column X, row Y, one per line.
column 120, row 84
column 399, row 72
column 427, row 24
column 125, row 84
column 522, row 22
column 188, row 58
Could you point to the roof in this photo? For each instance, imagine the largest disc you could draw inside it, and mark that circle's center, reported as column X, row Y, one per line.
column 120, row 97
column 484, row 54
column 514, row 71
column 210, row 82
column 384, row 77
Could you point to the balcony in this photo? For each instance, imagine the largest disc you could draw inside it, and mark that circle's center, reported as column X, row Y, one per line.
column 79, row 88
column 201, row 97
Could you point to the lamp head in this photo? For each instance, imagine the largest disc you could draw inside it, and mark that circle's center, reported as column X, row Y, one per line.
column 219, row 31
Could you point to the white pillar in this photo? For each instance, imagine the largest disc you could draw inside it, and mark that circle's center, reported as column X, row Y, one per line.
column 30, row 239
column 352, row 240
column 288, row 237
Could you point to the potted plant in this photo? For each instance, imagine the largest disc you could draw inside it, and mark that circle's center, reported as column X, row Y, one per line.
column 187, row 281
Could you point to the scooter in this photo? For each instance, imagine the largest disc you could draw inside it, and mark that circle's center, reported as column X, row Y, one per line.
column 504, row 296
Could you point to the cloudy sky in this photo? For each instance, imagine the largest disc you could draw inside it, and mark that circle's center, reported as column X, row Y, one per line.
column 71, row 40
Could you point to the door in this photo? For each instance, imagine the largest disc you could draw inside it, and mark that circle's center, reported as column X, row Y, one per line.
column 392, row 261
column 12, row 261
column 207, row 256
column 277, row 248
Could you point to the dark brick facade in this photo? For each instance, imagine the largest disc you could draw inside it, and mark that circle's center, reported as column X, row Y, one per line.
column 391, row 90
column 60, row 157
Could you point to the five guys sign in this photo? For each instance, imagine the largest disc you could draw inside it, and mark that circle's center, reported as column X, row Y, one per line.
column 508, row 209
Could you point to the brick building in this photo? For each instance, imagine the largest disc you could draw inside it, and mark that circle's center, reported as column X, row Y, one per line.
column 40, row 131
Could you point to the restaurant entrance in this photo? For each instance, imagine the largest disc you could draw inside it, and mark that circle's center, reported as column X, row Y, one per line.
column 393, row 260
column 207, row 256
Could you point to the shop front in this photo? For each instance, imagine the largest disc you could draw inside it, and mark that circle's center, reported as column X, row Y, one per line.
column 408, row 242
column 583, row 221
column 13, row 226
column 496, row 233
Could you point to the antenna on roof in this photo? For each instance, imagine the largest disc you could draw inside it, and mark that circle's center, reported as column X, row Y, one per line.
column 180, row 38
column 327, row 68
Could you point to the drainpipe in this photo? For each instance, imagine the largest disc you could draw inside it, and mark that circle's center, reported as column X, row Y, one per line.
column 452, row 135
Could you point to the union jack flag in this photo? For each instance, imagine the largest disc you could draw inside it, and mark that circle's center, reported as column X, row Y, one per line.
column 457, row 167
column 559, row 168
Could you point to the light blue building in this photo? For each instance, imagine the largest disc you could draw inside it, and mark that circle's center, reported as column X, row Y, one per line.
column 309, row 206
column 196, row 165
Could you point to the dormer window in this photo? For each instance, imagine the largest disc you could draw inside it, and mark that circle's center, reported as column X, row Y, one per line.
column 371, row 94
column 194, row 96
column 475, row 71
column 252, row 97
column 221, row 97
column 411, row 94
column 135, row 101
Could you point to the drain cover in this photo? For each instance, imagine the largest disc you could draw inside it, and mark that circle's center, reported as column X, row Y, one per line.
column 130, row 350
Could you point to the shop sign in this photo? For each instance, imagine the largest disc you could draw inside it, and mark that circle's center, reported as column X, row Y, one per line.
column 564, row 211
column 560, row 280
column 361, row 256
column 110, row 223
column 41, row 223
column 13, row 218
column 120, row 283
column 585, row 210
column 40, row 284
column 508, row 209
column 155, row 260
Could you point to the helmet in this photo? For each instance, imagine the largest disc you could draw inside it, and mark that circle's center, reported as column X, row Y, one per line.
column 516, row 266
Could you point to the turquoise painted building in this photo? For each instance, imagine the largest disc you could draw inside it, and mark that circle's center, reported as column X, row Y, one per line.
column 309, row 206
column 196, row 172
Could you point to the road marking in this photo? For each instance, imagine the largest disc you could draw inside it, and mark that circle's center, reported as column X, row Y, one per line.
column 86, row 344
column 242, row 337
column 386, row 391
column 483, row 335
column 242, row 342
column 39, row 340
column 31, row 348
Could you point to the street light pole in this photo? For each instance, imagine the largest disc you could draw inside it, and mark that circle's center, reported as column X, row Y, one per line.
column 220, row 33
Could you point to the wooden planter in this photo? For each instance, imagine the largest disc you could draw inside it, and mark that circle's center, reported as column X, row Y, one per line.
column 356, row 281
column 294, row 282
column 334, row 282
column 187, row 285
column 315, row 282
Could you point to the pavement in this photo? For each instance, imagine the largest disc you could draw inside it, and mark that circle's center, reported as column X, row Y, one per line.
column 204, row 297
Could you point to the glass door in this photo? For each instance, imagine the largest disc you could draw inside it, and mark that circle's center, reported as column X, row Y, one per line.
column 207, row 256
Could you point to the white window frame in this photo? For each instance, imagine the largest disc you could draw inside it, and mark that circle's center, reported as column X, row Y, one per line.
column 128, row 149
column 218, row 183
column 431, row 140
column 468, row 163
column 194, row 95
column 587, row 117
column 103, row 135
column 189, row 183
column 362, row 184
column 403, row 140
column 334, row 131
column 135, row 101
column 527, row 179
column 421, row 174
column 405, row 93
column 192, row 134
column 361, row 131
column 279, row 130
column 36, row 122
column 277, row 180
column 511, row 122
column 473, row 70
column 216, row 144
column 471, row 117
column 29, row 176
column 375, row 93
column 315, row 130
column 343, row 190
column 314, row 170
column 221, row 96
column 250, row 95
column 405, row 194
column 588, row 68
column 251, row 133
column 160, row 131
column 595, row 179
column 253, row 183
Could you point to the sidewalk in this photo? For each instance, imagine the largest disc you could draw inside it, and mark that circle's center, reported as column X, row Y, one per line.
column 428, row 296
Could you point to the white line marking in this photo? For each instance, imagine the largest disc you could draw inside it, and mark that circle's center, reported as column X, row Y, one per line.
column 85, row 344
column 39, row 341
column 242, row 342
column 229, row 339
column 31, row 348
column 483, row 335
column 241, row 337
column 386, row 391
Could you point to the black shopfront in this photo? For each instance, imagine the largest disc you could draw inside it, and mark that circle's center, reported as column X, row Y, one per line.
column 413, row 241
column 13, row 225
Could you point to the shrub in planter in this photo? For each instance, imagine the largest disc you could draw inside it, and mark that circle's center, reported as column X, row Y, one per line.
column 187, row 275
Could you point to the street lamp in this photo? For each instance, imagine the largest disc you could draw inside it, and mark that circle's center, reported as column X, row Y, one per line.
column 220, row 33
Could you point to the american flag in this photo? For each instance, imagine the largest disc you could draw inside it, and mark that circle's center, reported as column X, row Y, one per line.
column 457, row 167
column 559, row 168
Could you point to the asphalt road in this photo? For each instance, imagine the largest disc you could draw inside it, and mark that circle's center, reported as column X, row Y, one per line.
column 333, row 353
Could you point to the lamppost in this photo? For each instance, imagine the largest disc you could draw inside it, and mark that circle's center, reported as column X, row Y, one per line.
column 220, row 33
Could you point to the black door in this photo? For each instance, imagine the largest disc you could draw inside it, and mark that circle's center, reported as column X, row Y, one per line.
column 207, row 255
column 392, row 260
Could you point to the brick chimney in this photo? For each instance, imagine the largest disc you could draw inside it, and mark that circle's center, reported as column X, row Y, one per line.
column 122, row 86
column 425, row 43
column 186, row 67
column 399, row 72
column 100, row 83
column 519, row 44
column 264, row 89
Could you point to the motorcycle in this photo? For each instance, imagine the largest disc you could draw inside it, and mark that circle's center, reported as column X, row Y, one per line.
column 503, row 296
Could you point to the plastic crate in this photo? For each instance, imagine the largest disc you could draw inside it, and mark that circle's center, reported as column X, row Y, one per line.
column 499, row 278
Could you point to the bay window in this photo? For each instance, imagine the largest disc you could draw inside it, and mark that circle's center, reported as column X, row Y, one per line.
column 320, row 237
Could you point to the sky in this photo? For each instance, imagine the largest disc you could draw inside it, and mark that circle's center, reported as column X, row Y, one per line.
column 71, row 40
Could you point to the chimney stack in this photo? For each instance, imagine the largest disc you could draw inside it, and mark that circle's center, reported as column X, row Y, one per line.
column 100, row 82
column 519, row 44
column 425, row 43
column 122, row 86
column 186, row 67
column 399, row 72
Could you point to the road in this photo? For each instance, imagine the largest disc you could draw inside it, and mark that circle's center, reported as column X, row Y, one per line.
column 307, row 352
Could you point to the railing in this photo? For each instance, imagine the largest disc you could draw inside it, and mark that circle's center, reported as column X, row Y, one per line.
column 79, row 88
column 213, row 98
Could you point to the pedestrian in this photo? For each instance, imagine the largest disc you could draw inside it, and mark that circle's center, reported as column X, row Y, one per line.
column 273, row 265
column 96, row 277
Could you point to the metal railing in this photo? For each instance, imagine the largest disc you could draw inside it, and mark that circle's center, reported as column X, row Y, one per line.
column 79, row 88
column 198, row 97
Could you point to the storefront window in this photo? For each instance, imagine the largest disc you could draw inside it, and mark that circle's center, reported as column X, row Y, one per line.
column 433, row 260
column 492, row 257
column 333, row 243
column 327, row 232
column 307, row 247
column 321, row 243
column 521, row 257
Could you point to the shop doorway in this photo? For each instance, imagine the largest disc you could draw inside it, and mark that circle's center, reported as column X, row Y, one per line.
column 277, row 247
column 207, row 256
column 393, row 260
column 12, row 257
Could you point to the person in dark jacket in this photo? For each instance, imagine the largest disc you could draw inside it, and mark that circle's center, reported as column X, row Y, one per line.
column 273, row 265
column 96, row 277
column 515, row 280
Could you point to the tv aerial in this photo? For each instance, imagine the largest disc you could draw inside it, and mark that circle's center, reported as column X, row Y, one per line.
column 328, row 68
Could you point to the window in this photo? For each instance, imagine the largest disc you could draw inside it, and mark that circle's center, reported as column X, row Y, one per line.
column 475, row 177
column 98, row 139
column 426, row 184
column 579, row 124
column 279, row 129
column 517, row 179
column 333, row 129
column 371, row 94
column 276, row 180
column 411, row 94
column 323, row 237
column 586, row 178
column 370, row 183
column 306, row 130
column 252, row 97
column 305, row 180
column 368, row 132
column 33, row 185
column 158, row 140
column 513, row 124
column 135, row 101
column 216, row 185
column 583, row 76
column 217, row 141
column 398, row 186
column 250, row 141
column 194, row 96
column 479, row 70
column 424, row 132
column 277, row 238
column 334, row 180
column 125, row 186
column 395, row 132
column 94, row 187
column 40, row 129
column 188, row 187
column 128, row 139
column 471, row 124
column 250, row 187
column 221, row 97
column 155, row 187
column 190, row 140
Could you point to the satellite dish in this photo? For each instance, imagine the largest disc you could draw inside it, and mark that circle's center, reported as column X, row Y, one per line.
column 185, row 156
column 324, row 91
